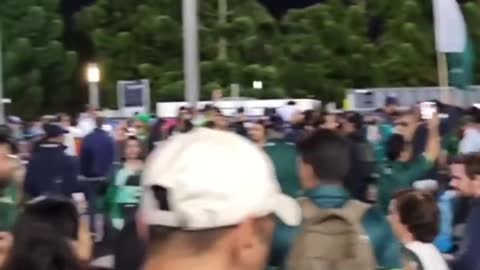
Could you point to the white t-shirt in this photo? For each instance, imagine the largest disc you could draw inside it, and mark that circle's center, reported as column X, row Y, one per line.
column 287, row 112
column 86, row 125
column 470, row 142
column 428, row 255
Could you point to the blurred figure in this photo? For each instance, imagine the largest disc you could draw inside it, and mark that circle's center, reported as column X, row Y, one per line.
column 96, row 159
column 257, row 132
column 337, row 230
column 157, row 135
column 466, row 181
column 86, row 121
column 390, row 108
column 184, row 121
column 15, row 124
column 400, row 172
column 50, row 170
column 470, row 142
column 124, row 193
column 288, row 111
column 239, row 121
column 415, row 217
column 142, row 126
column 222, row 213
column 362, row 157
column 97, row 153
column 283, row 155
column 221, row 122
column 49, row 235
column 329, row 121
column 71, row 136
column 10, row 186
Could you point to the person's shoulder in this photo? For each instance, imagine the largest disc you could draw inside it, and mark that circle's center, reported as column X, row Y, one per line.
column 375, row 220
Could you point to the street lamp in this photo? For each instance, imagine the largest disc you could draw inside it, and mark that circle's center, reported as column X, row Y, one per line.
column 257, row 85
column 191, row 56
column 93, row 78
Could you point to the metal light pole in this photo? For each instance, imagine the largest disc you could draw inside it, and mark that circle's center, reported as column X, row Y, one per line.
column 222, row 20
column 191, row 56
column 93, row 78
column 2, row 104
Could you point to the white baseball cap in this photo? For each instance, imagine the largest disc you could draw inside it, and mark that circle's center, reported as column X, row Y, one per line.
column 211, row 179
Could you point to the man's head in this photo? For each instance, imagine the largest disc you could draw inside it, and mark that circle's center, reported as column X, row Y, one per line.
column 275, row 127
column 329, row 121
column 65, row 120
column 210, row 197
column 353, row 123
column 99, row 120
column 257, row 131
column 414, row 216
column 54, row 133
column 391, row 105
column 406, row 124
column 465, row 172
column 8, row 161
column 324, row 158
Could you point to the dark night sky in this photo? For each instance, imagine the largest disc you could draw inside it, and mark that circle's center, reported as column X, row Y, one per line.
column 277, row 7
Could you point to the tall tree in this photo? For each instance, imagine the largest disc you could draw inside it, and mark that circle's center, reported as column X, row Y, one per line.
column 38, row 70
column 327, row 50
column 142, row 39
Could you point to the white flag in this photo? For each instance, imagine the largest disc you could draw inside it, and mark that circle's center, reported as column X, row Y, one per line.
column 450, row 28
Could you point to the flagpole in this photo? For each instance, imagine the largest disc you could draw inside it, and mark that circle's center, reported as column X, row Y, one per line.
column 442, row 69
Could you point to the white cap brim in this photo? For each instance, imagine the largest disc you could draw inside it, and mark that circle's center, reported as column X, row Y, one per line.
column 287, row 209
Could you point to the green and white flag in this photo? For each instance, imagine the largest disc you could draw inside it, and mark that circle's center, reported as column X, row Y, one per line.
column 451, row 38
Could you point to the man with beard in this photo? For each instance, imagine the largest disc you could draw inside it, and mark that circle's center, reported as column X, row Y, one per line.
column 465, row 173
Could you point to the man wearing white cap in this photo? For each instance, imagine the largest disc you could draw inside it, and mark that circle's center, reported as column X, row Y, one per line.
column 210, row 200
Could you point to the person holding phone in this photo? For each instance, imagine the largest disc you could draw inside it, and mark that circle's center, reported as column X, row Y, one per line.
column 124, row 192
column 400, row 171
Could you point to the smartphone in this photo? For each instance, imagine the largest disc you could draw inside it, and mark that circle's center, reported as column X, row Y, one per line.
column 428, row 110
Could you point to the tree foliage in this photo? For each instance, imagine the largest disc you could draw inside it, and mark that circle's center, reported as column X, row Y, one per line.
column 38, row 70
column 143, row 39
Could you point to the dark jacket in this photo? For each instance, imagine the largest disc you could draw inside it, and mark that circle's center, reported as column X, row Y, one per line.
column 97, row 154
column 362, row 166
column 50, row 170
column 469, row 258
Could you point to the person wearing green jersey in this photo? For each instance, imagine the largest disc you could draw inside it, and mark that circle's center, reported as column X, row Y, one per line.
column 400, row 171
column 124, row 192
column 283, row 154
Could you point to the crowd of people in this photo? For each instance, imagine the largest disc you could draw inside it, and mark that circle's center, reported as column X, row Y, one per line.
column 299, row 190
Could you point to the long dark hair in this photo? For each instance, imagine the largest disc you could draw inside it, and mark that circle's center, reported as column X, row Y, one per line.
column 42, row 237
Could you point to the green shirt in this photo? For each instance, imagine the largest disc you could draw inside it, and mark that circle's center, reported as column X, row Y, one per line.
column 385, row 246
column 284, row 158
column 8, row 208
column 396, row 176
column 119, row 193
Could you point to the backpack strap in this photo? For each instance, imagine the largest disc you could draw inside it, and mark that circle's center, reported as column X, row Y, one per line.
column 409, row 257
